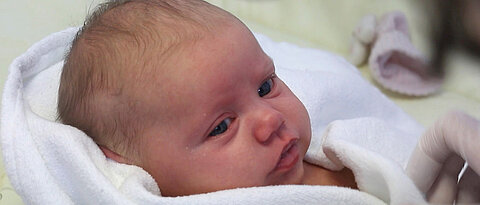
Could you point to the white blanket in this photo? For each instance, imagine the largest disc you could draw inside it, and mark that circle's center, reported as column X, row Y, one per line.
column 51, row 163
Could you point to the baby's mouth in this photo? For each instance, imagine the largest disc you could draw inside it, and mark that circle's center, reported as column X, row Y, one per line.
column 289, row 156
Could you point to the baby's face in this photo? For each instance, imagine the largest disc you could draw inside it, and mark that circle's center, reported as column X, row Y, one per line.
column 224, row 119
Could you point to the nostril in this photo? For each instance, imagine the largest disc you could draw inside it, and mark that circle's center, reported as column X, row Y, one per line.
column 264, row 134
column 270, row 138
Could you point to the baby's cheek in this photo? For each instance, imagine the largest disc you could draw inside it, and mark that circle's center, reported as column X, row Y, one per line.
column 298, row 116
column 228, row 169
column 217, row 159
column 297, row 110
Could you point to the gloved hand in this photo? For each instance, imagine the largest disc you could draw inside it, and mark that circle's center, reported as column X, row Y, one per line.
column 440, row 156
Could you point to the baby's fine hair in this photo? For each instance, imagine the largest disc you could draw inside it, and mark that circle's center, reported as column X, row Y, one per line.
column 115, row 54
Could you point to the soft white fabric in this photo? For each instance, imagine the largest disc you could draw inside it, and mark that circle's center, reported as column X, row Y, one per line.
column 354, row 144
column 51, row 163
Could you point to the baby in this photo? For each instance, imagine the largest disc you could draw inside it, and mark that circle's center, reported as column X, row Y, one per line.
column 182, row 89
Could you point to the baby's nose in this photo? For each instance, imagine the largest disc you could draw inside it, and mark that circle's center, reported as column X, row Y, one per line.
column 268, row 122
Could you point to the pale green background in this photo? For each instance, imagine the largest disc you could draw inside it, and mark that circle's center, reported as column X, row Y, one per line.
column 24, row 22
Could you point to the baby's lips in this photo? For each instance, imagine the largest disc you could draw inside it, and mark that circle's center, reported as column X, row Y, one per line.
column 289, row 156
column 288, row 146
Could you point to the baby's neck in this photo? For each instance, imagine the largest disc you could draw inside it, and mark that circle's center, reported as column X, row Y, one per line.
column 316, row 175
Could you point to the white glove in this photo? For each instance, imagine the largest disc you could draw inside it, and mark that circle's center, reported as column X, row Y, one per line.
column 440, row 155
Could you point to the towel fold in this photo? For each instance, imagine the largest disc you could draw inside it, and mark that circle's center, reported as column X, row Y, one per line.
column 52, row 163
column 360, row 145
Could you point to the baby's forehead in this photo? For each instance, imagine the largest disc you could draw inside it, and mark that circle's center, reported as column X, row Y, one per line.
column 206, row 65
column 196, row 78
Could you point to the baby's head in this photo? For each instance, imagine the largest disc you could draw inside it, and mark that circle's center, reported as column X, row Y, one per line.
column 183, row 90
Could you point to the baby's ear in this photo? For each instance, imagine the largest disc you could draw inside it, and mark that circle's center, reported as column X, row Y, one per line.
column 113, row 155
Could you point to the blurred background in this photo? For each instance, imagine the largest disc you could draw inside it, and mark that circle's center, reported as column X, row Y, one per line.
column 322, row 24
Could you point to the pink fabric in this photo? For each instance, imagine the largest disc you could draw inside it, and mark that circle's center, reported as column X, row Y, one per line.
column 395, row 63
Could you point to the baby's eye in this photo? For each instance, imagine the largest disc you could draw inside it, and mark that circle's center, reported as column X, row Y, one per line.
column 221, row 128
column 265, row 88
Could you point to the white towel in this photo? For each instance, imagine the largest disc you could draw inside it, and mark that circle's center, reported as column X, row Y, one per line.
column 51, row 163
column 355, row 144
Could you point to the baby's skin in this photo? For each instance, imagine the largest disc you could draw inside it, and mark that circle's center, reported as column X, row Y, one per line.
column 225, row 120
